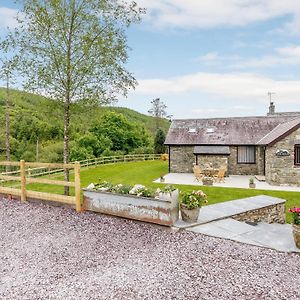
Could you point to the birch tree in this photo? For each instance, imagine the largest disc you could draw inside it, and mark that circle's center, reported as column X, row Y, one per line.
column 8, row 67
column 74, row 50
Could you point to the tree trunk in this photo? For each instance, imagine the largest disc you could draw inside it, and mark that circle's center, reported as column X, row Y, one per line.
column 7, row 123
column 66, row 140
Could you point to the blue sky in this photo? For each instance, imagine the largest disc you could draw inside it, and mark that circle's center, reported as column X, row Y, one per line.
column 207, row 58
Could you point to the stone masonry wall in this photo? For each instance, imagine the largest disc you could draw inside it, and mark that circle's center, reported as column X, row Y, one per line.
column 234, row 168
column 182, row 159
column 280, row 170
column 270, row 214
column 216, row 161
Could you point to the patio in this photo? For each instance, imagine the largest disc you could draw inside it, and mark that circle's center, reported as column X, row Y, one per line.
column 233, row 181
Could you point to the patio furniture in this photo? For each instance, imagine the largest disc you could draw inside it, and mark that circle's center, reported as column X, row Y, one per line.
column 220, row 176
column 210, row 172
column 198, row 173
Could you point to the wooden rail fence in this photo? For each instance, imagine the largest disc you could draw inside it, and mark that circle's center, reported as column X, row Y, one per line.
column 24, row 193
column 44, row 170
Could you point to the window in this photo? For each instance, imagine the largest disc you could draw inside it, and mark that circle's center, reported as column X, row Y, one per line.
column 297, row 155
column 246, row 155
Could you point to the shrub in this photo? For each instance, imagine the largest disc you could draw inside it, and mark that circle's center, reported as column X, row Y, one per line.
column 296, row 215
column 194, row 199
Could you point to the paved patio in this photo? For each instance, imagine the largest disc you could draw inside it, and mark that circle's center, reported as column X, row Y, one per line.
column 216, row 220
column 233, row 181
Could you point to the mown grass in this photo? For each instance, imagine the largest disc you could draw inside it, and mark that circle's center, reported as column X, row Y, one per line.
column 147, row 171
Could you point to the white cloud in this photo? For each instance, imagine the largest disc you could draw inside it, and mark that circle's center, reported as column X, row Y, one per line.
column 217, row 13
column 289, row 55
column 8, row 17
column 209, row 57
column 242, row 87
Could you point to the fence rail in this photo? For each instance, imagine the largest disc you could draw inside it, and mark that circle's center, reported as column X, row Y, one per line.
column 40, row 169
column 24, row 193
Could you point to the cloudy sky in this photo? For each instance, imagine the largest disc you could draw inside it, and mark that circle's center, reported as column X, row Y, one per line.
column 207, row 58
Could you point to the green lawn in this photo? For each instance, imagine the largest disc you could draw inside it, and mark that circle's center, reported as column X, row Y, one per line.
column 145, row 172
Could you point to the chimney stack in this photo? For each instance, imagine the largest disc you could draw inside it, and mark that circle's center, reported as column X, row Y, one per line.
column 271, row 109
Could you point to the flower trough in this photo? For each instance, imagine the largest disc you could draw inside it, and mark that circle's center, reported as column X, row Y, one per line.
column 137, row 202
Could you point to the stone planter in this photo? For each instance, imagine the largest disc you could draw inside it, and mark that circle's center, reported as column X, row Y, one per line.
column 189, row 215
column 252, row 185
column 159, row 211
column 296, row 234
column 207, row 181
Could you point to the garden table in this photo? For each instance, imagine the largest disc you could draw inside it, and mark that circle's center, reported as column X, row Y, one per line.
column 210, row 172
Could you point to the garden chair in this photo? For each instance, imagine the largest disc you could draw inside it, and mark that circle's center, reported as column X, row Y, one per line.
column 198, row 174
column 220, row 176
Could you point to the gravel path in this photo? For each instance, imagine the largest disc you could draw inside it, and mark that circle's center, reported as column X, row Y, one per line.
column 53, row 253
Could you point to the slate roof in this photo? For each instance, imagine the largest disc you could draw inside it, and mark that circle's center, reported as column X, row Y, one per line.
column 212, row 150
column 228, row 131
column 280, row 131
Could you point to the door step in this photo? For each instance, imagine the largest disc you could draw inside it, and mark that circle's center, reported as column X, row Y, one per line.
column 260, row 178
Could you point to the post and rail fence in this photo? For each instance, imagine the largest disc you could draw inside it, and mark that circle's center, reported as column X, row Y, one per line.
column 23, row 193
column 26, row 173
column 41, row 171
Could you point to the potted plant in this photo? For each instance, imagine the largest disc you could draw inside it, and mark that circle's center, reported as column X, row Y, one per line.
column 167, row 193
column 252, row 184
column 190, row 205
column 296, row 224
column 162, row 178
column 207, row 180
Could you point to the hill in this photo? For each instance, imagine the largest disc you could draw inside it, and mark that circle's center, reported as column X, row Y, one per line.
column 34, row 117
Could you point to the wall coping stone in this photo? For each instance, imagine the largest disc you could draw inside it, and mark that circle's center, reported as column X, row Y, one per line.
column 231, row 208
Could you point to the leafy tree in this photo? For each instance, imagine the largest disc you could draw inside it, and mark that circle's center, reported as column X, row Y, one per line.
column 7, row 73
column 159, row 141
column 158, row 111
column 96, row 144
column 124, row 135
column 52, row 152
column 74, row 50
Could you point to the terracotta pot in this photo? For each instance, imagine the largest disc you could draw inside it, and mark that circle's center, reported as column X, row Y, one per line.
column 189, row 215
column 296, row 234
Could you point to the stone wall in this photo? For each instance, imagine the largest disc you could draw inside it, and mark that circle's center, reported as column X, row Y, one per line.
column 182, row 159
column 269, row 214
column 280, row 170
column 216, row 161
column 234, row 168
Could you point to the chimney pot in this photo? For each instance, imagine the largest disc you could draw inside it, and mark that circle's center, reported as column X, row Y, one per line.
column 271, row 109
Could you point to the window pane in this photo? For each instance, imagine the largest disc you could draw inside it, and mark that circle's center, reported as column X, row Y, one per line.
column 297, row 155
column 246, row 154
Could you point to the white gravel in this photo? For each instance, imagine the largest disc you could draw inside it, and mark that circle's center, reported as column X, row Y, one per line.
column 54, row 253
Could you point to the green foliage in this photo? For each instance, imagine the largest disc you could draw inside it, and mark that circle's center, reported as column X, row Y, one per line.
column 122, row 189
column 159, row 141
column 295, row 211
column 125, row 136
column 35, row 117
column 194, row 199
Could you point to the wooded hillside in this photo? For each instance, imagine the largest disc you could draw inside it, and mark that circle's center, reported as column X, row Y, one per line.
column 37, row 129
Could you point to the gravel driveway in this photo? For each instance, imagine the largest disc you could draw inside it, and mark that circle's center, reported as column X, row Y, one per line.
column 53, row 253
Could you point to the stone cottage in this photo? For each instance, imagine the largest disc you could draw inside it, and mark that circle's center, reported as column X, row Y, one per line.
column 268, row 146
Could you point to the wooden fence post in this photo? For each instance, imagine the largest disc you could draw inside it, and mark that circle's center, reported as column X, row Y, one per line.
column 77, row 186
column 23, row 180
